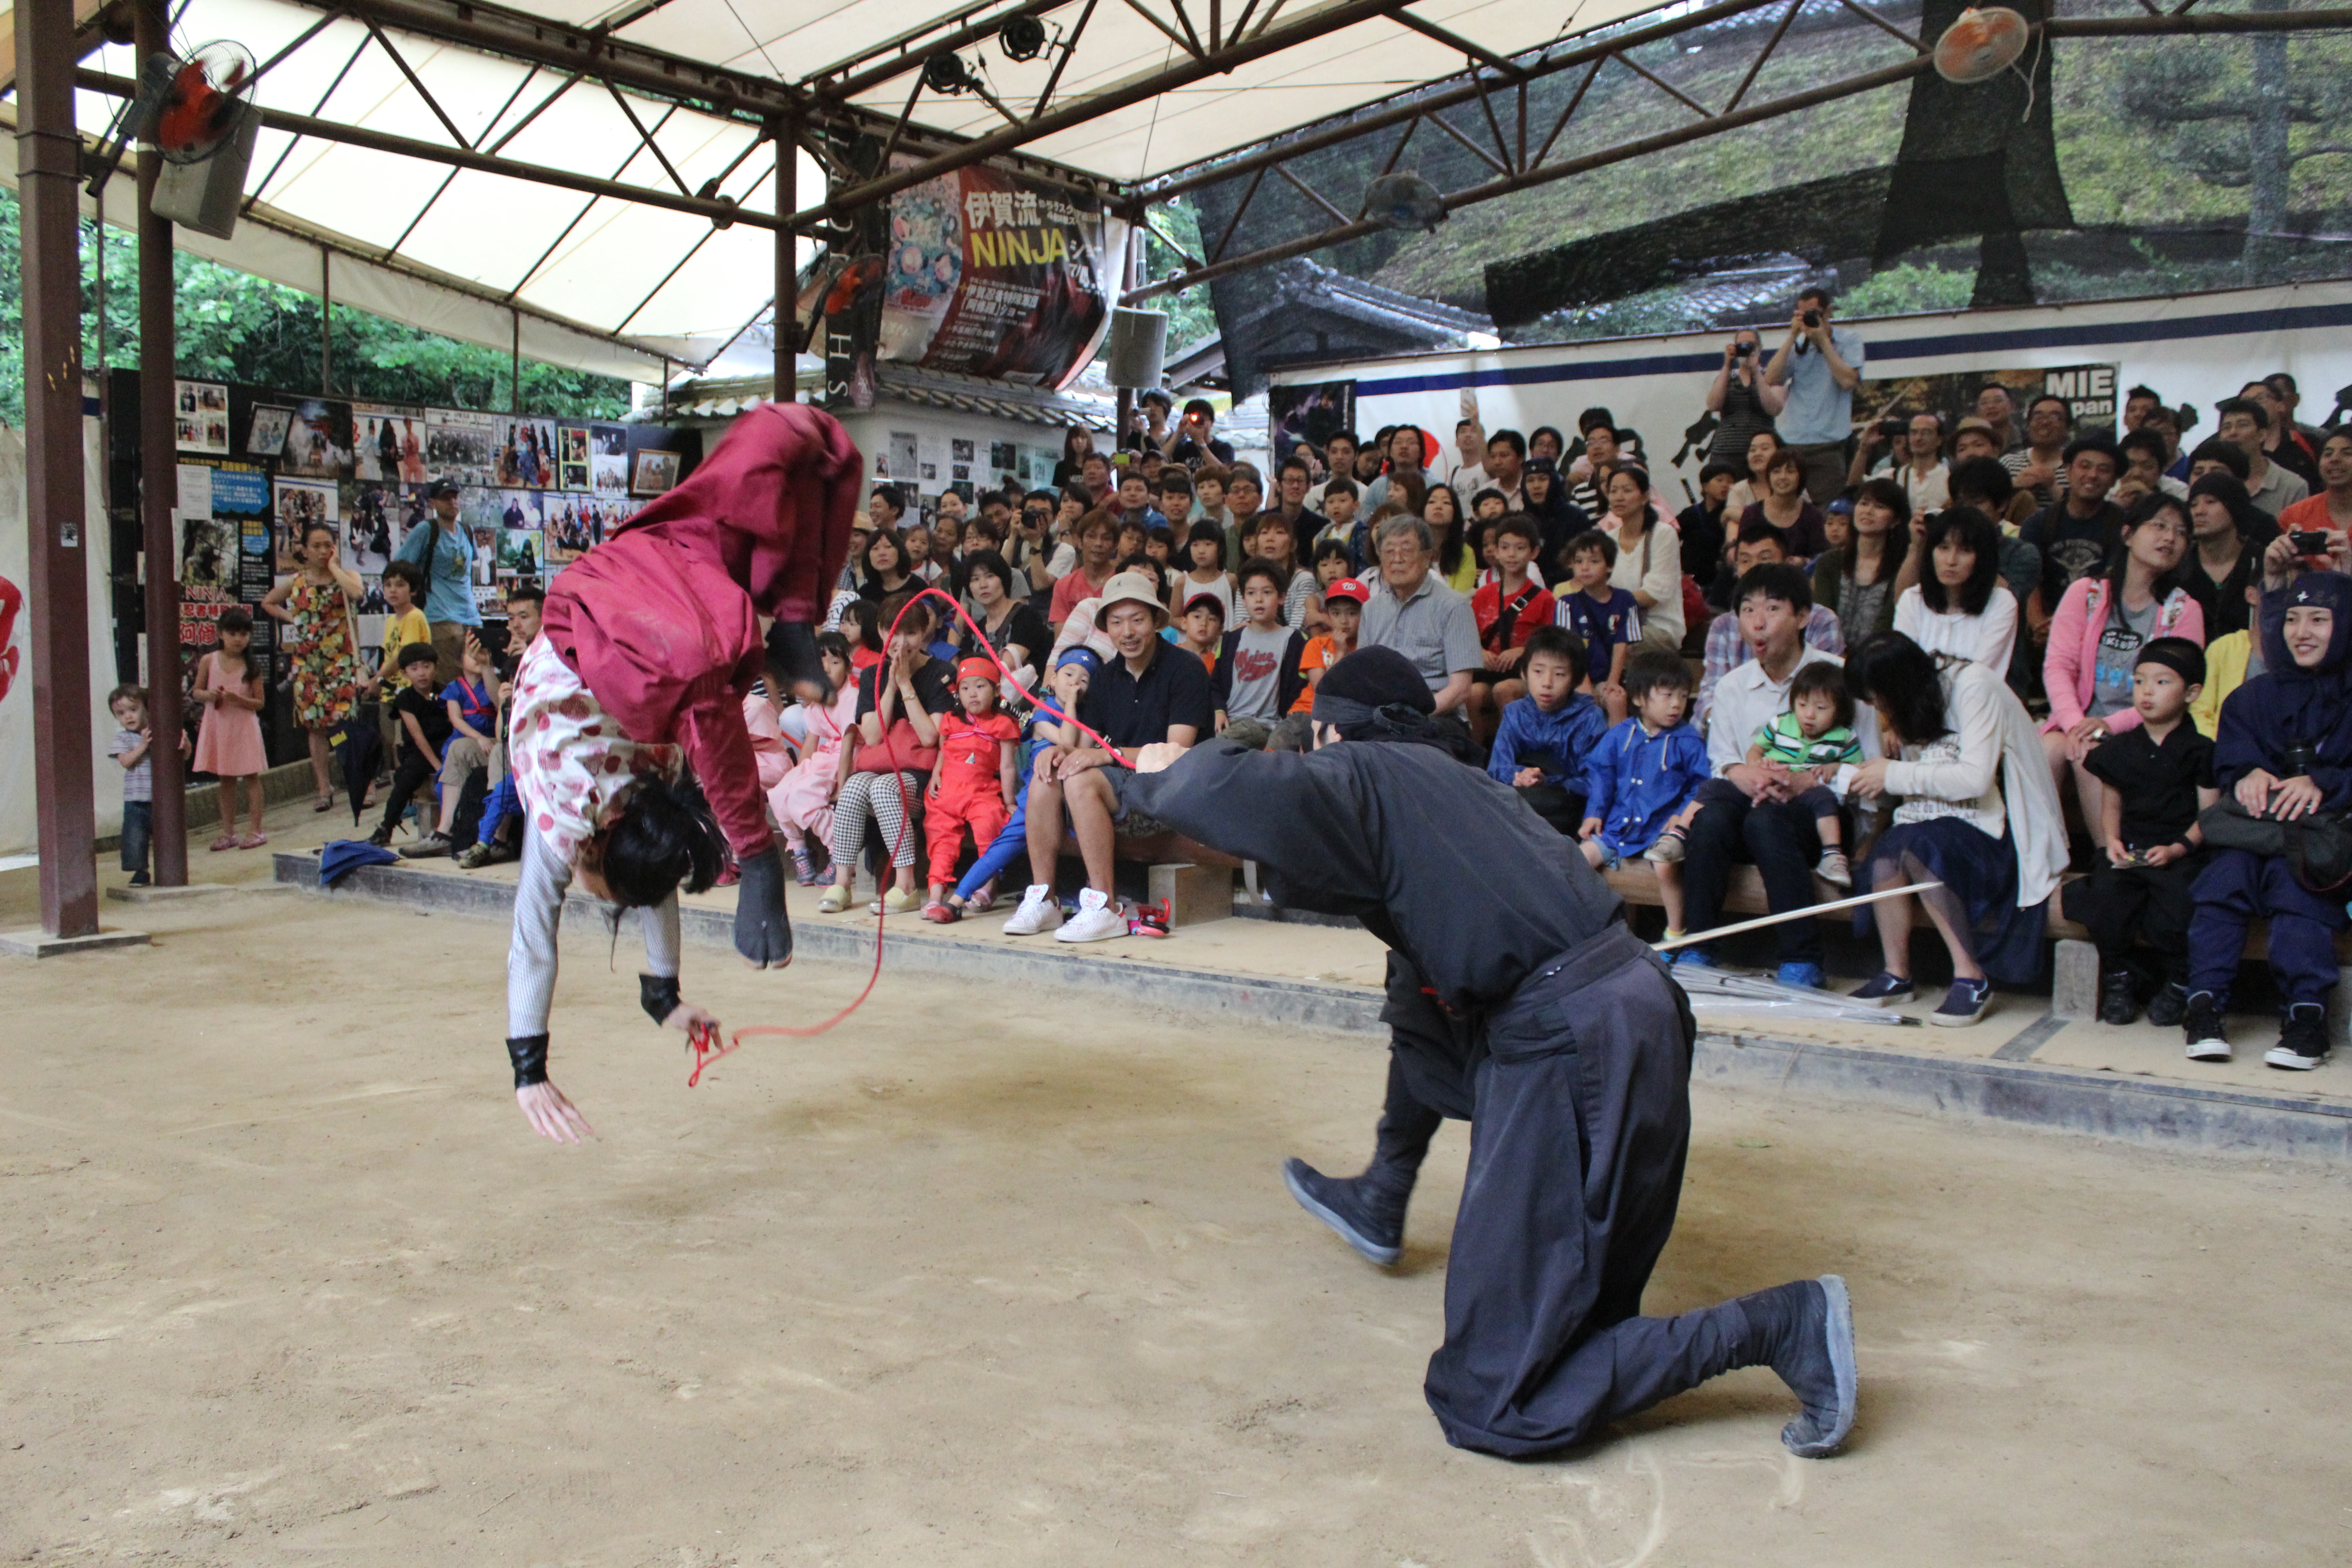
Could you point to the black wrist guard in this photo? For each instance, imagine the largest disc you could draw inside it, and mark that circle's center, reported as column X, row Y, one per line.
column 659, row 994
column 793, row 659
column 528, row 1053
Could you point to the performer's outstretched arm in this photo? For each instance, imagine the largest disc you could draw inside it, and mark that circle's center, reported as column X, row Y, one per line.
column 1281, row 808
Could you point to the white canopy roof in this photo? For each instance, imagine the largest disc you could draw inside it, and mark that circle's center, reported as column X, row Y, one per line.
column 611, row 285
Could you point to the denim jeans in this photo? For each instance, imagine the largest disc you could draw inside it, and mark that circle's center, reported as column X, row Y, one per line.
column 138, row 829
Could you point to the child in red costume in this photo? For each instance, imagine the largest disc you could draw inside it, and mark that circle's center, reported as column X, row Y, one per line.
column 649, row 643
column 974, row 784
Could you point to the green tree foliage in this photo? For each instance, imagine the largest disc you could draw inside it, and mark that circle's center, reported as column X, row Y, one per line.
column 230, row 326
column 1191, row 317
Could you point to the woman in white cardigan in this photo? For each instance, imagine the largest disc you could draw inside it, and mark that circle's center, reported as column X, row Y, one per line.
column 1649, row 555
column 1959, row 606
column 1978, row 816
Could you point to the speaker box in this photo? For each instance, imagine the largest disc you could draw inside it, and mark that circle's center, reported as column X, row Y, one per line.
column 1133, row 351
column 204, row 196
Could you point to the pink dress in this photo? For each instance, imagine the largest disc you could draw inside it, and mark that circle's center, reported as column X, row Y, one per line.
column 228, row 746
column 799, row 802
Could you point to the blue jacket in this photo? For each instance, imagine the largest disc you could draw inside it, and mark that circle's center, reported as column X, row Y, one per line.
column 1635, row 781
column 1557, row 742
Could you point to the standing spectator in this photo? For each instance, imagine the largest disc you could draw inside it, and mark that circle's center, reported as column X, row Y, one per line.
column 2282, row 442
column 1741, row 397
column 2287, row 403
column 1978, row 829
column 1649, row 556
column 1422, row 619
column 1339, row 449
column 2095, row 636
column 445, row 554
column 2224, row 574
column 1469, row 471
column 1784, row 506
column 1821, row 366
column 321, row 641
column 1097, row 541
column 1290, row 504
column 1996, row 406
column 1960, row 608
column 2246, row 424
column 1403, row 477
column 132, row 748
column 2041, row 466
column 2077, row 533
column 1726, row 649
column 1856, row 582
column 1147, row 692
column 1346, row 527
column 1542, row 740
column 2139, row 403
column 1078, row 443
column 1705, row 523
column 1752, row 812
column 1197, row 441
column 403, row 589
column 1507, row 456
column 1918, row 465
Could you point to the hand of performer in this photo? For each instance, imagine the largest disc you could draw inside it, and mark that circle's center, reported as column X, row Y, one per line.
column 763, row 931
column 550, row 1115
column 687, row 1018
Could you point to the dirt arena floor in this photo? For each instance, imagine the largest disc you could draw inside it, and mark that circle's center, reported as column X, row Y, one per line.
column 284, row 1279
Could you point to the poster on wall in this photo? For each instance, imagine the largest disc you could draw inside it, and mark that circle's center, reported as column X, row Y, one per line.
column 655, row 471
column 2089, row 391
column 992, row 274
column 369, row 544
column 300, row 504
column 460, row 446
column 267, row 436
column 200, row 416
column 1312, row 411
column 224, row 550
column 608, row 459
column 527, row 453
column 318, row 440
column 572, row 466
column 387, row 443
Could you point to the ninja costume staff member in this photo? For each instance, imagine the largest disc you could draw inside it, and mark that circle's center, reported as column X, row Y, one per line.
column 1518, row 1001
column 649, row 643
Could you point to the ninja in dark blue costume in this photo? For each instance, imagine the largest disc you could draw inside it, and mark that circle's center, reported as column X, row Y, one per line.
column 2285, row 751
column 1518, row 1001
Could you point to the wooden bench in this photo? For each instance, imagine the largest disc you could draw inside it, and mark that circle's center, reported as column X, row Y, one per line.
column 2074, row 966
column 1193, row 881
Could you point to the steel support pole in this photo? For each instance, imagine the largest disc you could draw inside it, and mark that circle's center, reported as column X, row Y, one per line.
column 49, row 160
column 788, row 264
column 159, row 484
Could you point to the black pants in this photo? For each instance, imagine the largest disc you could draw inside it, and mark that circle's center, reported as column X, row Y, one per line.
column 1556, row 806
column 1581, row 1123
column 2152, row 903
column 413, row 775
column 1780, row 836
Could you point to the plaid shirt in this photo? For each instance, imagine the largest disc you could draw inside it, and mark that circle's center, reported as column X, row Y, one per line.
column 1726, row 650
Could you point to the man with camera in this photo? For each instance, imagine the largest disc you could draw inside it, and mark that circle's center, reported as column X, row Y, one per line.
column 1742, row 401
column 1908, row 450
column 1820, row 368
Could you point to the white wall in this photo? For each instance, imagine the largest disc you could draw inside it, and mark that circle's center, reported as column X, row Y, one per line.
column 2196, row 348
column 934, row 430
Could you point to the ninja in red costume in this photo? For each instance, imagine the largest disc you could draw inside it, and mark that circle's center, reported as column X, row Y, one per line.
column 649, row 643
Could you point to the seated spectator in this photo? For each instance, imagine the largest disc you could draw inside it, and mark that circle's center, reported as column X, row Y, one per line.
column 2282, row 443
column 1959, row 608
column 885, row 765
column 1750, row 811
column 1147, row 692
column 1705, row 523
column 1784, row 506
column 1097, row 552
column 2285, row 751
column 915, row 541
column 1816, row 734
column 860, row 622
column 2143, row 455
column 1421, row 617
column 1346, row 529
column 1641, row 774
column 883, row 567
column 1978, row 818
column 1209, row 496
column 1245, row 495
column 1457, row 564
column 802, row 800
column 1204, row 554
column 1343, row 606
column 1546, row 443
column 1603, row 617
column 2076, row 534
column 1914, row 462
column 1726, row 646
column 2215, row 457
column 1132, row 533
column 1837, row 525
column 1540, row 744
column 1049, row 727
column 1973, row 444
column 1015, row 631
column 1257, row 674
column 2158, row 777
column 975, row 785
column 1587, row 476
column 1176, row 498
column 1508, row 611
column 1200, row 629
column 1339, row 449
column 1271, row 539
column 1649, row 556
column 2225, row 570
column 2040, row 467
column 1856, row 580
column 2096, row 637
column 1159, row 545
column 1557, row 519
column 2330, row 510
column 1751, row 486
column 2246, row 424
column 1506, row 457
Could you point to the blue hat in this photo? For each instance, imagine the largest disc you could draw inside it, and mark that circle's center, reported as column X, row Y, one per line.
column 1081, row 655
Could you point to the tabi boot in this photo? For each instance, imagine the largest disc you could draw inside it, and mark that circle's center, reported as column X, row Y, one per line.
column 1805, row 1332
column 1368, row 1211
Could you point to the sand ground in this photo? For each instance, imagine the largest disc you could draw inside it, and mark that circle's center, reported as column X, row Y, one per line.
column 284, row 1278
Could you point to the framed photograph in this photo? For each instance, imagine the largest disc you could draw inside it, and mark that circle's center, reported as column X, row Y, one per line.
column 267, row 439
column 572, row 457
column 654, row 472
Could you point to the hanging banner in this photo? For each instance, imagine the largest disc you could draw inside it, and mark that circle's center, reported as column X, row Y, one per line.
column 988, row 273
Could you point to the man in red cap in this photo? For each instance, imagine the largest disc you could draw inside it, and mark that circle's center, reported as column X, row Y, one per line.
column 975, row 783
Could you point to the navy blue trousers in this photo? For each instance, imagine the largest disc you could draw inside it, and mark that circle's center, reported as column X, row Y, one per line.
column 2238, row 887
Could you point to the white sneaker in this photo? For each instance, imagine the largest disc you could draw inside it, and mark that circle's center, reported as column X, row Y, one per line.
column 1097, row 920
column 1039, row 910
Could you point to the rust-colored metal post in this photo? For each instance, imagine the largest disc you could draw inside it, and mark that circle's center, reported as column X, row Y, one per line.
column 49, row 160
column 159, row 484
column 788, row 263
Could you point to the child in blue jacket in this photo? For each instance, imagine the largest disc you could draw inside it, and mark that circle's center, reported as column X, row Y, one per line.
column 1644, row 771
column 1543, row 738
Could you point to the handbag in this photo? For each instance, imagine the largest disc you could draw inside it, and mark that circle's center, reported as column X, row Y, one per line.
column 2317, row 849
column 898, row 751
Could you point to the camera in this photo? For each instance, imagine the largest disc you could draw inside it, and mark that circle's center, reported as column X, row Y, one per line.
column 2310, row 541
column 1894, row 429
column 1812, row 319
column 1742, row 350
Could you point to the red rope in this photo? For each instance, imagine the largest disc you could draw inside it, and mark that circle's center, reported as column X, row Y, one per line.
column 704, row 1039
